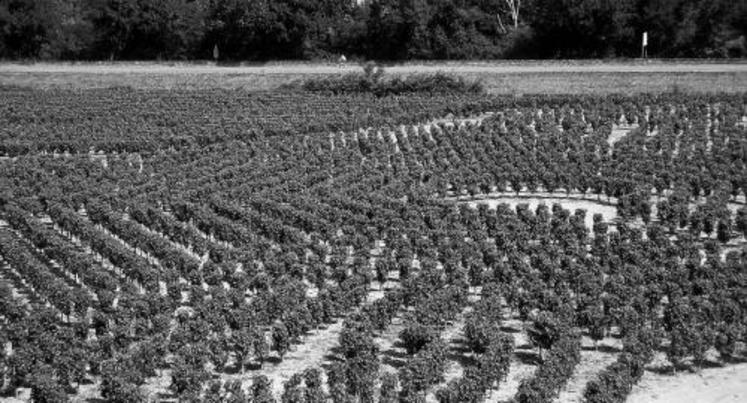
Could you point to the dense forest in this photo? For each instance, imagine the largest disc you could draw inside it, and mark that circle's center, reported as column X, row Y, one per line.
column 233, row 30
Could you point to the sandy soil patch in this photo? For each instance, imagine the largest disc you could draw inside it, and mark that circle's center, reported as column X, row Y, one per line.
column 618, row 133
column 711, row 385
column 608, row 212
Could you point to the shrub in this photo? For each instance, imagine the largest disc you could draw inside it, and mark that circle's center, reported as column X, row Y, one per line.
column 313, row 380
column 45, row 389
column 293, row 392
column 262, row 390
column 612, row 385
column 189, row 373
column 546, row 329
column 616, row 381
column 478, row 334
column 425, row 369
column 462, row 390
column 280, row 338
column 372, row 80
column 389, row 384
column 120, row 381
column 493, row 365
column 553, row 373
column 415, row 336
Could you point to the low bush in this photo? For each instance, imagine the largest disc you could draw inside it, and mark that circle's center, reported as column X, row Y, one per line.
column 424, row 369
column 615, row 382
column 554, row 372
column 372, row 80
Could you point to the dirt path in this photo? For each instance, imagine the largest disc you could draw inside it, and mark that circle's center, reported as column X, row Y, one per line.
column 592, row 362
column 315, row 349
column 457, row 354
column 164, row 237
column 71, row 279
column 11, row 279
column 523, row 364
column 312, row 352
column 199, row 232
column 83, row 247
column 391, row 353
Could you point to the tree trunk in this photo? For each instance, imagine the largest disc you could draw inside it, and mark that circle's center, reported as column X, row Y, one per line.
column 500, row 24
column 514, row 6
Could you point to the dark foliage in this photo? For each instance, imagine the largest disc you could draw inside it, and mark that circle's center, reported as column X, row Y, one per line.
column 380, row 29
column 372, row 80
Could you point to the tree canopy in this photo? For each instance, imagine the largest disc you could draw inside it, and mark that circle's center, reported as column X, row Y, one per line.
column 370, row 29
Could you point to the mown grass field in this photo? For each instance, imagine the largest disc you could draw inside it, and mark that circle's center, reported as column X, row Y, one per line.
column 516, row 77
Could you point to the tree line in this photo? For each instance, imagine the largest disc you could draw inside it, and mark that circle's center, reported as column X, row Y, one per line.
column 232, row 30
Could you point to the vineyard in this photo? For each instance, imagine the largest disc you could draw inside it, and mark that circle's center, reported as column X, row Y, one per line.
column 308, row 247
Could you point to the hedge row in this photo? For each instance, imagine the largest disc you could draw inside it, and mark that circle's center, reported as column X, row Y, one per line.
column 371, row 81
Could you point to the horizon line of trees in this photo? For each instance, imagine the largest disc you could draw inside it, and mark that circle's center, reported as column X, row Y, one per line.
column 368, row 29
